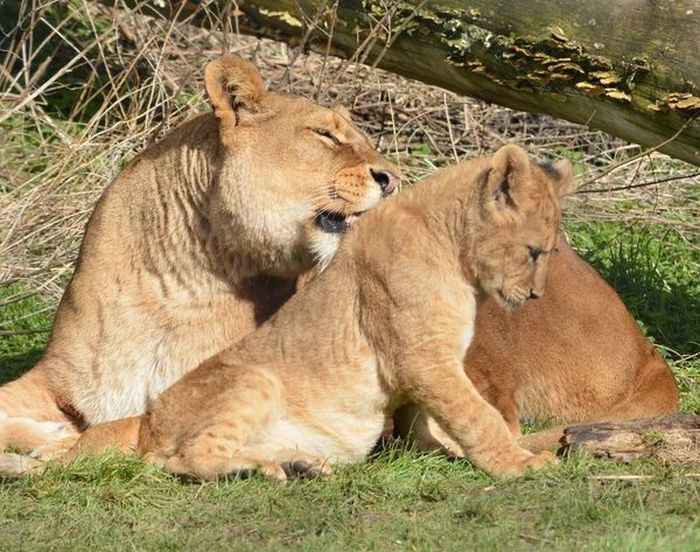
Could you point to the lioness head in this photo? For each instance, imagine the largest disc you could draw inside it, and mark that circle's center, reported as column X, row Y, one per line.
column 293, row 175
column 520, row 213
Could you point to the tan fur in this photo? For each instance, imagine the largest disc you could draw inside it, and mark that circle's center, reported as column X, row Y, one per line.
column 194, row 244
column 576, row 355
column 389, row 321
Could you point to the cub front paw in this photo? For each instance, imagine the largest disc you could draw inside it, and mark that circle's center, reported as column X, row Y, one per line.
column 541, row 460
column 521, row 462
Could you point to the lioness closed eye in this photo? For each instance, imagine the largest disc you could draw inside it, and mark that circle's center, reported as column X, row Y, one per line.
column 389, row 321
column 192, row 246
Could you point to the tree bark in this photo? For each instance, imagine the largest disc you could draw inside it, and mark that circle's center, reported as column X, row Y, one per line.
column 628, row 67
column 673, row 439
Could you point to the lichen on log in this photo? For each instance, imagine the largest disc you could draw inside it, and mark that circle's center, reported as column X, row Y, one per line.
column 566, row 58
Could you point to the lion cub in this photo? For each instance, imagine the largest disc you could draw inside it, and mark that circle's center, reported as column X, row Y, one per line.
column 388, row 322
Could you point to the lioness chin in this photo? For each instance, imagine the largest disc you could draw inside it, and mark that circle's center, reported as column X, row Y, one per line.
column 388, row 322
column 195, row 243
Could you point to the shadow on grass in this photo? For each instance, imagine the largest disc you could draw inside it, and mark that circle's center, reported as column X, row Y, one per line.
column 655, row 273
column 13, row 366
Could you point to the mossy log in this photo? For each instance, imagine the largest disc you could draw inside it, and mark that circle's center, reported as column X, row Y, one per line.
column 628, row 67
column 674, row 439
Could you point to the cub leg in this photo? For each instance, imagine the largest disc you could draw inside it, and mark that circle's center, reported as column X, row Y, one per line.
column 477, row 427
column 427, row 434
column 225, row 438
column 219, row 466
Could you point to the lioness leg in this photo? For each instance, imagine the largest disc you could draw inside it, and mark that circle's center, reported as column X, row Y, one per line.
column 425, row 432
column 29, row 415
column 14, row 465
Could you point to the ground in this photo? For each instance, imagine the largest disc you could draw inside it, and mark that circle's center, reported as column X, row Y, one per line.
column 636, row 222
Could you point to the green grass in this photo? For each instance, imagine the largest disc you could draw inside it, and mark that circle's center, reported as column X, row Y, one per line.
column 399, row 499
column 24, row 322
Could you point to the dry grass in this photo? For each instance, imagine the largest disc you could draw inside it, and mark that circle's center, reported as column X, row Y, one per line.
column 84, row 87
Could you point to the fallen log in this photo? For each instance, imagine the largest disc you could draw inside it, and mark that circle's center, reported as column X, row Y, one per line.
column 628, row 67
column 672, row 439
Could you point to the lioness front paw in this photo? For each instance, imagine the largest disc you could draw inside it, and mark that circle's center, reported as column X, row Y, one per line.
column 14, row 465
column 54, row 449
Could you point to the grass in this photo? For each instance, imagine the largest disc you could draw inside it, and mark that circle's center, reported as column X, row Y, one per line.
column 399, row 499
column 58, row 152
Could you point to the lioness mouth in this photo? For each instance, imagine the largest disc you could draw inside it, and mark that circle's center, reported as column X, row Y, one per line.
column 335, row 223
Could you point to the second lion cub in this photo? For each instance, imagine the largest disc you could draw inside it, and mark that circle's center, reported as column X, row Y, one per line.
column 389, row 321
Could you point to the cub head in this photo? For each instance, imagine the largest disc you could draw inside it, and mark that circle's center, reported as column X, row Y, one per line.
column 292, row 175
column 519, row 211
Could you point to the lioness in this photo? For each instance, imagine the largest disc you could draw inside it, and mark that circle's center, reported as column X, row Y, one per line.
column 193, row 245
column 389, row 321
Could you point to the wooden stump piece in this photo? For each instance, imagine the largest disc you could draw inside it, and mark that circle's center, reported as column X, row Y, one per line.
column 673, row 439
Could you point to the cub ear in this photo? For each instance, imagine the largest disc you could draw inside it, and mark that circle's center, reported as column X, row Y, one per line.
column 235, row 89
column 510, row 172
column 564, row 183
column 343, row 111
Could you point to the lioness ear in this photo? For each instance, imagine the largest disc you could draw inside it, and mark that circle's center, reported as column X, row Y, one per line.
column 510, row 171
column 564, row 184
column 235, row 88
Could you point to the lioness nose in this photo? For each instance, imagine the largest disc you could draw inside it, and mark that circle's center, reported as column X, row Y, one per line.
column 535, row 293
column 387, row 181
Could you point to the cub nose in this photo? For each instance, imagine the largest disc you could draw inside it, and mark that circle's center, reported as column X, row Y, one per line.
column 535, row 294
column 387, row 181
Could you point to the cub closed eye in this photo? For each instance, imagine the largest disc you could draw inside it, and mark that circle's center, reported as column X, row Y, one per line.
column 535, row 252
column 327, row 134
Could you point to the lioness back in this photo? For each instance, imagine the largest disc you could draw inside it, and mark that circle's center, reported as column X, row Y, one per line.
column 194, row 244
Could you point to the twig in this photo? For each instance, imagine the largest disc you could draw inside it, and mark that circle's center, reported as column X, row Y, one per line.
column 631, row 477
column 321, row 77
column 639, row 155
column 640, row 185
